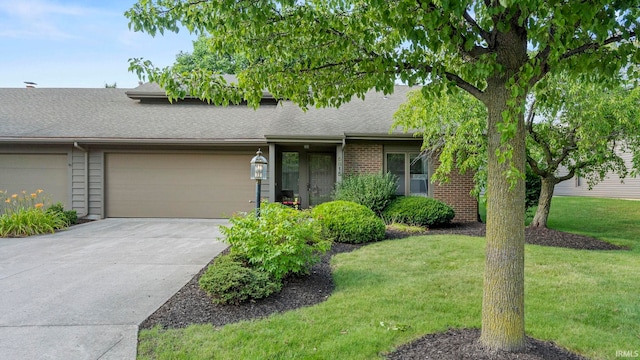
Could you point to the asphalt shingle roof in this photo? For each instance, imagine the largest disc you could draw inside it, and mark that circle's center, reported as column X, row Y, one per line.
column 109, row 114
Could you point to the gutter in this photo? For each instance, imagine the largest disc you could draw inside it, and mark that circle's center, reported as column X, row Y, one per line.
column 131, row 141
column 86, row 178
column 379, row 137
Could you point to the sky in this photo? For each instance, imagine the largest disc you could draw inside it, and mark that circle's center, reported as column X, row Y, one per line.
column 77, row 44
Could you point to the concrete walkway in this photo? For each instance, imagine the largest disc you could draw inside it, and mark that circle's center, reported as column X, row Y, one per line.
column 81, row 293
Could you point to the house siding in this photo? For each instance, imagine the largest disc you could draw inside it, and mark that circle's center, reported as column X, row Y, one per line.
column 96, row 184
column 611, row 187
column 363, row 159
column 78, row 182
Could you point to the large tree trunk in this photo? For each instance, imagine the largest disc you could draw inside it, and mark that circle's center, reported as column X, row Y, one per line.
column 544, row 202
column 503, row 297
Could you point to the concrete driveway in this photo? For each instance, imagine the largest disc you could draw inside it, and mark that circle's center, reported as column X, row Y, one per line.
column 81, row 293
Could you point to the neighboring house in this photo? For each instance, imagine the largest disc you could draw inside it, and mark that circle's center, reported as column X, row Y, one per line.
column 611, row 187
column 130, row 153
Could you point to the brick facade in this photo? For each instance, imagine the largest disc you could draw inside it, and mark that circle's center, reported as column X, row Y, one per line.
column 456, row 193
column 368, row 158
column 363, row 159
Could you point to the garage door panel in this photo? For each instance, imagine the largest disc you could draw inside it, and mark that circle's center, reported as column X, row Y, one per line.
column 29, row 172
column 178, row 185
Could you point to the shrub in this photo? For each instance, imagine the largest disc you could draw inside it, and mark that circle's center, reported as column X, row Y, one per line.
column 348, row 222
column 230, row 281
column 281, row 241
column 417, row 210
column 70, row 217
column 374, row 191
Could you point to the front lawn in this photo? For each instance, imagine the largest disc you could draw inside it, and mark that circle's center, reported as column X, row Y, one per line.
column 392, row 292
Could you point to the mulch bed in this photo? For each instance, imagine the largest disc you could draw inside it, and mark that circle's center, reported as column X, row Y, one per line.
column 462, row 344
column 191, row 305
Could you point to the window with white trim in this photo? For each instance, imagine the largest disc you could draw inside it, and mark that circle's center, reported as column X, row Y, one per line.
column 412, row 170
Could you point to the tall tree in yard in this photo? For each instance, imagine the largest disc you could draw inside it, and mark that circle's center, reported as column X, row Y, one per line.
column 582, row 127
column 322, row 53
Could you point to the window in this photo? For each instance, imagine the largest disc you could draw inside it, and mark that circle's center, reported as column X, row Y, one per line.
column 290, row 173
column 412, row 171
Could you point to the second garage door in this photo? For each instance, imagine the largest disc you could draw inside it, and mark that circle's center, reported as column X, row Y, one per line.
column 177, row 185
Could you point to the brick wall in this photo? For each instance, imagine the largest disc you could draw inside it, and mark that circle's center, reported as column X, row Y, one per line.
column 363, row 159
column 369, row 158
column 456, row 193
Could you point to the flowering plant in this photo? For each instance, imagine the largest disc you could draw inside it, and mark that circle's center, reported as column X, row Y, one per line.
column 25, row 214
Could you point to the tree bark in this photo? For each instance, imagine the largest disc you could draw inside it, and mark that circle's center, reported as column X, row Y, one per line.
column 503, row 296
column 544, row 202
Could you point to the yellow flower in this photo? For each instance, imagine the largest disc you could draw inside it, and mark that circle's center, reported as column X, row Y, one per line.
column 33, row 195
column 14, row 196
column 39, row 191
column 8, row 201
column 39, row 205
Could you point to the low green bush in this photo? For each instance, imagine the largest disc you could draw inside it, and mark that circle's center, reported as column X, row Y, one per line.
column 231, row 281
column 418, row 210
column 281, row 241
column 348, row 222
column 70, row 217
column 374, row 191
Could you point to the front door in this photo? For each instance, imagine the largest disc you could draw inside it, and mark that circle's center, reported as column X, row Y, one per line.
column 322, row 177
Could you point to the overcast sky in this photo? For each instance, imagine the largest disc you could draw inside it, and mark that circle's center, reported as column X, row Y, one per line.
column 73, row 43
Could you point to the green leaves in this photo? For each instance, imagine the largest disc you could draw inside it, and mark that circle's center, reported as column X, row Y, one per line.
column 281, row 241
column 453, row 126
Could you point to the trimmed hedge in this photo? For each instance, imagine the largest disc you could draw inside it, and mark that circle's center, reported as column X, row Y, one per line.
column 348, row 222
column 418, row 210
column 229, row 280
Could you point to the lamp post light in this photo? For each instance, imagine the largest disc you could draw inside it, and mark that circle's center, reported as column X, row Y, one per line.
column 258, row 173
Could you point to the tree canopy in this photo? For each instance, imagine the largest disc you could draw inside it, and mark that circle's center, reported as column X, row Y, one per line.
column 202, row 58
column 578, row 126
column 322, row 53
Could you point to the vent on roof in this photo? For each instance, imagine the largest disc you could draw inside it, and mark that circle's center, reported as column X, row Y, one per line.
column 30, row 84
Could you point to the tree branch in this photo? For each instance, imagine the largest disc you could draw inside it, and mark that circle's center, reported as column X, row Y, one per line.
column 593, row 45
column 461, row 83
column 535, row 168
column 543, row 144
column 483, row 33
column 530, row 116
column 568, row 176
column 468, row 87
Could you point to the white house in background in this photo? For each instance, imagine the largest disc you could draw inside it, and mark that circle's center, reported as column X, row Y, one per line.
column 611, row 187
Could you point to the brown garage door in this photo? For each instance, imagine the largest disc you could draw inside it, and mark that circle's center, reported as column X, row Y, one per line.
column 177, row 185
column 29, row 172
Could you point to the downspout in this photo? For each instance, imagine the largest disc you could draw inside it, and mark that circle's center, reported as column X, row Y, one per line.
column 86, row 178
column 341, row 165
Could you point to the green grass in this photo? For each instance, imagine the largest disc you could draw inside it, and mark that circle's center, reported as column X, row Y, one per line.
column 613, row 220
column 411, row 229
column 392, row 292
